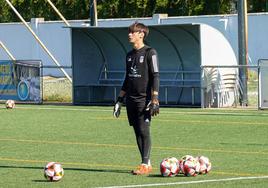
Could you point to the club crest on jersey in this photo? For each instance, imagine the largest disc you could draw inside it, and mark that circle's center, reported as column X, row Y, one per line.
column 147, row 120
column 141, row 59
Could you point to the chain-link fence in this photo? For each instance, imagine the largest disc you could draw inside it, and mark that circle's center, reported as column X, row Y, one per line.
column 56, row 88
column 221, row 86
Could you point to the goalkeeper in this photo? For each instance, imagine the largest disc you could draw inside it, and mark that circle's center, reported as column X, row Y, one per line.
column 140, row 88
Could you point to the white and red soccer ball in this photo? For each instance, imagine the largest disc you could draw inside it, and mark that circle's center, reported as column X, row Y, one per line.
column 10, row 104
column 53, row 171
column 205, row 164
column 187, row 157
column 189, row 165
column 192, row 166
column 169, row 167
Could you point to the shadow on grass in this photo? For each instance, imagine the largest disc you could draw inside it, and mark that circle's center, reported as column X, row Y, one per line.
column 160, row 176
column 40, row 181
column 70, row 169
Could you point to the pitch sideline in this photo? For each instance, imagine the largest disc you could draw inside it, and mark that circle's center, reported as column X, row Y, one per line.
column 188, row 182
column 164, row 112
column 77, row 108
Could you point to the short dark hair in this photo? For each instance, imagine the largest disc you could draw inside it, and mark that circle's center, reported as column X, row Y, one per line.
column 138, row 27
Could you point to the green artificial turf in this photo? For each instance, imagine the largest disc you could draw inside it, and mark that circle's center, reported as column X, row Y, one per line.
column 97, row 150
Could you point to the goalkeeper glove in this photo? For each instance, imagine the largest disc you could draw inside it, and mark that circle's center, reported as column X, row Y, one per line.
column 117, row 106
column 153, row 106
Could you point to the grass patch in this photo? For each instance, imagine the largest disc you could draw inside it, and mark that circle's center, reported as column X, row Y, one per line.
column 97, row 150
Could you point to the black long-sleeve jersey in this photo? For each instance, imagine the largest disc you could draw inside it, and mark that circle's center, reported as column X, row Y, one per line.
column 142, row 74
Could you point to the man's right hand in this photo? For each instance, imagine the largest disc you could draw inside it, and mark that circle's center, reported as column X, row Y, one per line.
column 153, row 107
column 117, row 107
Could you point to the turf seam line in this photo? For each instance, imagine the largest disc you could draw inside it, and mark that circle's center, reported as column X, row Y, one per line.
column 131, row 146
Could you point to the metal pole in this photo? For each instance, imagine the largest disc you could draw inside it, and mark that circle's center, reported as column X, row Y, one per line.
column 243, row 48
column 38, row 40
column 7, row 51
column 58, row 12
column 93, row 13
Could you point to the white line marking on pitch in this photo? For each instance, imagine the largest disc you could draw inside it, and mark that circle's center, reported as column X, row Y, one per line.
column 188, row 182
column 165, row 111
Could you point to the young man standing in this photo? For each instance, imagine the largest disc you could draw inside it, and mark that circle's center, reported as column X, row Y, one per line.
column 140, row 87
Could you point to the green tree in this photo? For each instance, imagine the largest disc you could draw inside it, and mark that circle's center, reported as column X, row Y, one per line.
column 257, row 5
column 4, row 12
column 71, row 9
column 79, row 9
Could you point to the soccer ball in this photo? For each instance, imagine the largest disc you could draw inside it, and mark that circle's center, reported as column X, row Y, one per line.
column 53, row 171
column 187, row 157
column 181, row 165
column 169, row 167
column 205, row 164
column 10, row 104
column 190, row 167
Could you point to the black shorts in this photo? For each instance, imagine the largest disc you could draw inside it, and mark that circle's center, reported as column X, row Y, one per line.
column 137, row 115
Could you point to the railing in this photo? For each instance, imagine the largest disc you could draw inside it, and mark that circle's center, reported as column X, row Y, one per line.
column 168, row 79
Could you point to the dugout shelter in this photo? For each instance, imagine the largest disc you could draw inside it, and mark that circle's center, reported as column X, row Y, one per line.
column 98, row 61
